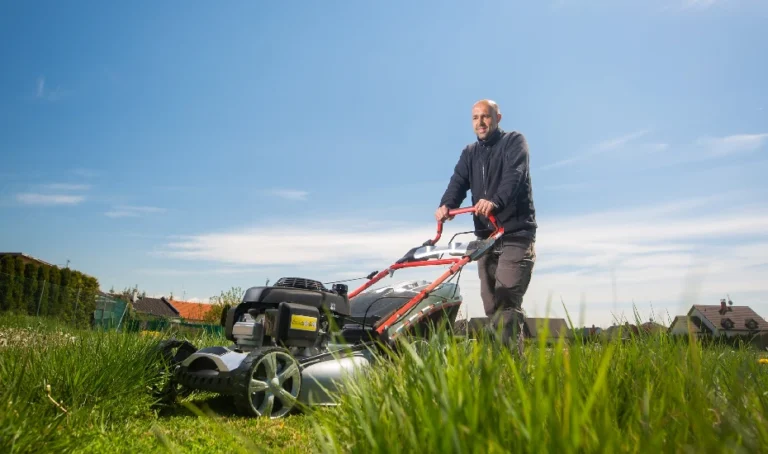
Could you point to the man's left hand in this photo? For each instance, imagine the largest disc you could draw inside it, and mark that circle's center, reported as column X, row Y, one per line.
column 484, row 207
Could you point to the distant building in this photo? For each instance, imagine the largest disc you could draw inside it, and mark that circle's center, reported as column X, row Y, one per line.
column 719, row 320
column 555, row 327
column 192, row 312
column 155, row 308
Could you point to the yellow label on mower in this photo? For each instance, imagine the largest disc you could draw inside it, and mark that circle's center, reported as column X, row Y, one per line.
column 304, row 323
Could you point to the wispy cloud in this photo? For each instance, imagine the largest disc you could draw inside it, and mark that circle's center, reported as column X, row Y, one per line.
column 176, row 272
column 648, row 254
column 289, row 194
column 701, row 4
column 709, row 148
column 125, row 211
column 85, row 173
column 40, row 87
column 599, row 149
column 45, row 94
column 738, row 143
column 67, row 187
column 292, row 246
column 30, row 198
column 688, row 5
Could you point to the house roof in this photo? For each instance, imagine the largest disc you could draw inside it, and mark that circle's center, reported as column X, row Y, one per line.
column 556, row 326
column 652, row 326
column 738, row 314
column 159, row 307
column 192, row 311
column 683, row 319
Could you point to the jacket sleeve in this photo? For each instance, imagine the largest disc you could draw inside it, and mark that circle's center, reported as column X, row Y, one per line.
column 458, row 185
column 515, row 168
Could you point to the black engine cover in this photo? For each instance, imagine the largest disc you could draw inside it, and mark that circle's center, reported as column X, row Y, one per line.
column 316, row 298
column 296, row 325
column 299, row 292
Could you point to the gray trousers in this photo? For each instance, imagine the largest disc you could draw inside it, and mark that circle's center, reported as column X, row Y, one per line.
column 505, row 273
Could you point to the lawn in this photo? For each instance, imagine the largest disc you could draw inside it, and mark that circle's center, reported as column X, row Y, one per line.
column 66, row 390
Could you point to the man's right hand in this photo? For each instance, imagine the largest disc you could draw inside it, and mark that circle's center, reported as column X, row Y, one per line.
column 442, row 214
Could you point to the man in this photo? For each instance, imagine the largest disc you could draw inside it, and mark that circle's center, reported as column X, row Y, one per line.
column 496, row 169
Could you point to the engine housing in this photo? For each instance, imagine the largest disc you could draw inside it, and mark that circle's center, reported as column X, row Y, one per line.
column 292, row 313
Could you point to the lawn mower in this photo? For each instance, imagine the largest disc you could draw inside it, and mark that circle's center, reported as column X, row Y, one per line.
column 294, row 341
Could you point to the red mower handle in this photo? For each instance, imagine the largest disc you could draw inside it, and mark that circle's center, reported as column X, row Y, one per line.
column 498, row 231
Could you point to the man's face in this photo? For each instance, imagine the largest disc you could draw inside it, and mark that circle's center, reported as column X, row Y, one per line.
column 484, row 120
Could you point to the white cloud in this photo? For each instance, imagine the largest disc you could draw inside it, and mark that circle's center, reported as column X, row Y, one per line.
column 49, row 95
column 659, row 255
column 198, row 272
column 602, row 147
column 124, row 211
column 85, row 173
column 703, row 4
column 40, row 87
column 67, row 187
column 198, row 300
column 708, row 148
column 290, row 194
column 29, row 198
column 739, row 143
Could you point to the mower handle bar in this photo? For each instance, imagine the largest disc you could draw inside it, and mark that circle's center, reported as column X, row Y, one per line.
column 457, row 211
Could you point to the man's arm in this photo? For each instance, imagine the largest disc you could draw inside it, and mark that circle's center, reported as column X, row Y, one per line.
column 515, row 167
column 458, row 186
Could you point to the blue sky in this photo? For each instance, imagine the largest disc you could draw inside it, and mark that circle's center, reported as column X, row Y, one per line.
column 189, row 148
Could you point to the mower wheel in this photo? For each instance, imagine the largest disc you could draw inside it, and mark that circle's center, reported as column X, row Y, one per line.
column 268, row 383
column 172, row 352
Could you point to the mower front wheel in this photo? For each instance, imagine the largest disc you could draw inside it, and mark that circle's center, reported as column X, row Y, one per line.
column 171, row 352
column 268, row 383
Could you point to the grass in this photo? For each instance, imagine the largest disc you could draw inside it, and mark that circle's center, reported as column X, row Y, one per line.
column 649, row 394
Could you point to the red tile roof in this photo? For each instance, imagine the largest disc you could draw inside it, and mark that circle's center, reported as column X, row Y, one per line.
column 192, row 311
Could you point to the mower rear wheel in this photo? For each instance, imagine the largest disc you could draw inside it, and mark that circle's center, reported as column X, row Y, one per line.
column 268, row 383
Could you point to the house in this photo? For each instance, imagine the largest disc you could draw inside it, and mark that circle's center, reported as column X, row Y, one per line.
column 556, row 327
column 719, row 320
column 652, row 327
column 153, row 314
column 192, row 312
column 626, row 331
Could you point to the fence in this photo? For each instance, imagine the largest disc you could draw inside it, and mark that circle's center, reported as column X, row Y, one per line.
column 110, row 313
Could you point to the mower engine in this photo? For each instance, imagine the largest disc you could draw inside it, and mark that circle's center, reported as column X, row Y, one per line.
column 295, row 313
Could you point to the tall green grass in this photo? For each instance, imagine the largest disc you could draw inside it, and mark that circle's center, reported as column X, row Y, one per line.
column 647, row 394
column 61, row 387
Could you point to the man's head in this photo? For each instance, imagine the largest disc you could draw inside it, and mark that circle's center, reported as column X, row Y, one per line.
column 485, row 118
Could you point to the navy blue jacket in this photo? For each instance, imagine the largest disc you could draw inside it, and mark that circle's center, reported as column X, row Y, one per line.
column 496, row 169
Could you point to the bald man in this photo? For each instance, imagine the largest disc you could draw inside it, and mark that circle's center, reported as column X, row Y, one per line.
column 496, row 169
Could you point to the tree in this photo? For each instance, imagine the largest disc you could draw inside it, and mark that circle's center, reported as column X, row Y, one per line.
column 7, row 274
column 222, row 303
column 17, row 288
column 30, row 287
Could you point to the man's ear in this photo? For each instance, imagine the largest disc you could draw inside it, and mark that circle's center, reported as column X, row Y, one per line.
column 498, row 118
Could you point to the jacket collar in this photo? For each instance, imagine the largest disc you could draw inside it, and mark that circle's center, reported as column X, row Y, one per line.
column 492, row 139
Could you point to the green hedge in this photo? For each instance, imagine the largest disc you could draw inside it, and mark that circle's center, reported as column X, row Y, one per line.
column 46, row 290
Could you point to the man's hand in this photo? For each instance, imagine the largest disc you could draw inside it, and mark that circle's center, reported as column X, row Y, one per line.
column 442, row 214
column 484, row 207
